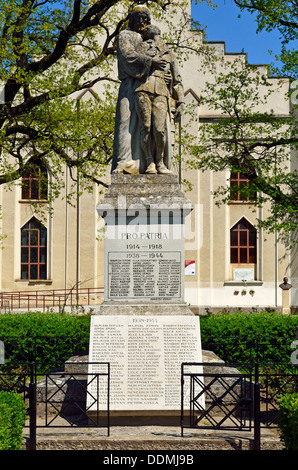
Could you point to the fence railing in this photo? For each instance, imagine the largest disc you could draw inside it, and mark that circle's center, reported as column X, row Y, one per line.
column 234, row 396
column 45, row 299
column 80, row 399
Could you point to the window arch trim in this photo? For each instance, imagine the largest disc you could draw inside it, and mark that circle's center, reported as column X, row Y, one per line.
column 243, row 243
column 33, row 251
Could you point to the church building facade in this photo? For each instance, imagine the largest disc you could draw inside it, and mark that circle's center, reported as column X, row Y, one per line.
column 229, row 262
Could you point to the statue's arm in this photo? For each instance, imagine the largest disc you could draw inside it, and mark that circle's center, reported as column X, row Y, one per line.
column 177, row 87
column 132, row 61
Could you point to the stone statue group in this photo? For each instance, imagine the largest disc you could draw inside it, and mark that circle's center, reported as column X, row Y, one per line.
column 150, row 96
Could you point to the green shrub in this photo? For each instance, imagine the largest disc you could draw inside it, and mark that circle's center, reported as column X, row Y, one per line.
column 43, row 337
column 12, row 420
column 52, row 338
column 288, row 420
column 5, row 426
column 249, row 337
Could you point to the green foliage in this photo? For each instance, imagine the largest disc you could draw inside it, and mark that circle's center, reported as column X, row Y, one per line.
column 249, row 337
column 257, row 144
column 281, row 16
column 51, row 54
column 5, row 426
column 43, row 338
column 12, row 420
column 238, row 337
column 288, row 420
column 48, row 51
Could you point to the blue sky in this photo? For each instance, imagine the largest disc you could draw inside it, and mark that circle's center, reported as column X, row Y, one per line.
column 239, row 34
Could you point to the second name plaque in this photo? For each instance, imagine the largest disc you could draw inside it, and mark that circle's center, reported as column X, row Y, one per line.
column 145, row 355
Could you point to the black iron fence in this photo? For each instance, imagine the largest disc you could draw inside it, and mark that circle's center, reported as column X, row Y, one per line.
column 214, row 396
column 78, row 395
column 235, row 396
column 224, row 395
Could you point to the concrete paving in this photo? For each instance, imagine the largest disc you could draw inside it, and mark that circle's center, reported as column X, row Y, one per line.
column 150, row 438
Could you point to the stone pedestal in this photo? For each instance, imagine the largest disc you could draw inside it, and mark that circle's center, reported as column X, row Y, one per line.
column 144, row 327
column 286, row 302
column 286, row 287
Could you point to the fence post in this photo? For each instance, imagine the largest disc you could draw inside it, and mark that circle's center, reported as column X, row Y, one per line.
column 109, row 391
column 182, row 398
column 257, row 416
column 32, row 408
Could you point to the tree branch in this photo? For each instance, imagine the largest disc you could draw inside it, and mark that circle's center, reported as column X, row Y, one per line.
column 76, row 25
column 266, row 11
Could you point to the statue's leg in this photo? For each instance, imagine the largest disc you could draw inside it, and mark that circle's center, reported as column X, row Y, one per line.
column 159, row 123
column 125, row 120
column 144, row 111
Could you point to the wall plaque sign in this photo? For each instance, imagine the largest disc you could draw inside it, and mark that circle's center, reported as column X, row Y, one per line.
column 244, row 274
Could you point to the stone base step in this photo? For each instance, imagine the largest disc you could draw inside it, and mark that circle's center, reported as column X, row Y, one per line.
column 149, row 438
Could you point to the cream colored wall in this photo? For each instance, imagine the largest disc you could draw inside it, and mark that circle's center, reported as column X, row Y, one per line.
column 293, row 272
column 61, row 240
column 213, row 285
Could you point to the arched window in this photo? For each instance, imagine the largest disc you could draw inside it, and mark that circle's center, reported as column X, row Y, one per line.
column 240, row 188
column 33, row 251
column 35, row 181
column 243, row 243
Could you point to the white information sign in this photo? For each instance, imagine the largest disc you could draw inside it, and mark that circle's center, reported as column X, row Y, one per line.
column 245, row 274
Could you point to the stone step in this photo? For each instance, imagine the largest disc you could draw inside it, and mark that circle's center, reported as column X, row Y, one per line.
column 150, row 438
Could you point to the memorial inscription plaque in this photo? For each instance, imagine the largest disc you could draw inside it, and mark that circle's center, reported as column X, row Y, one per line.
column 145, row 353
column 154, row 276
